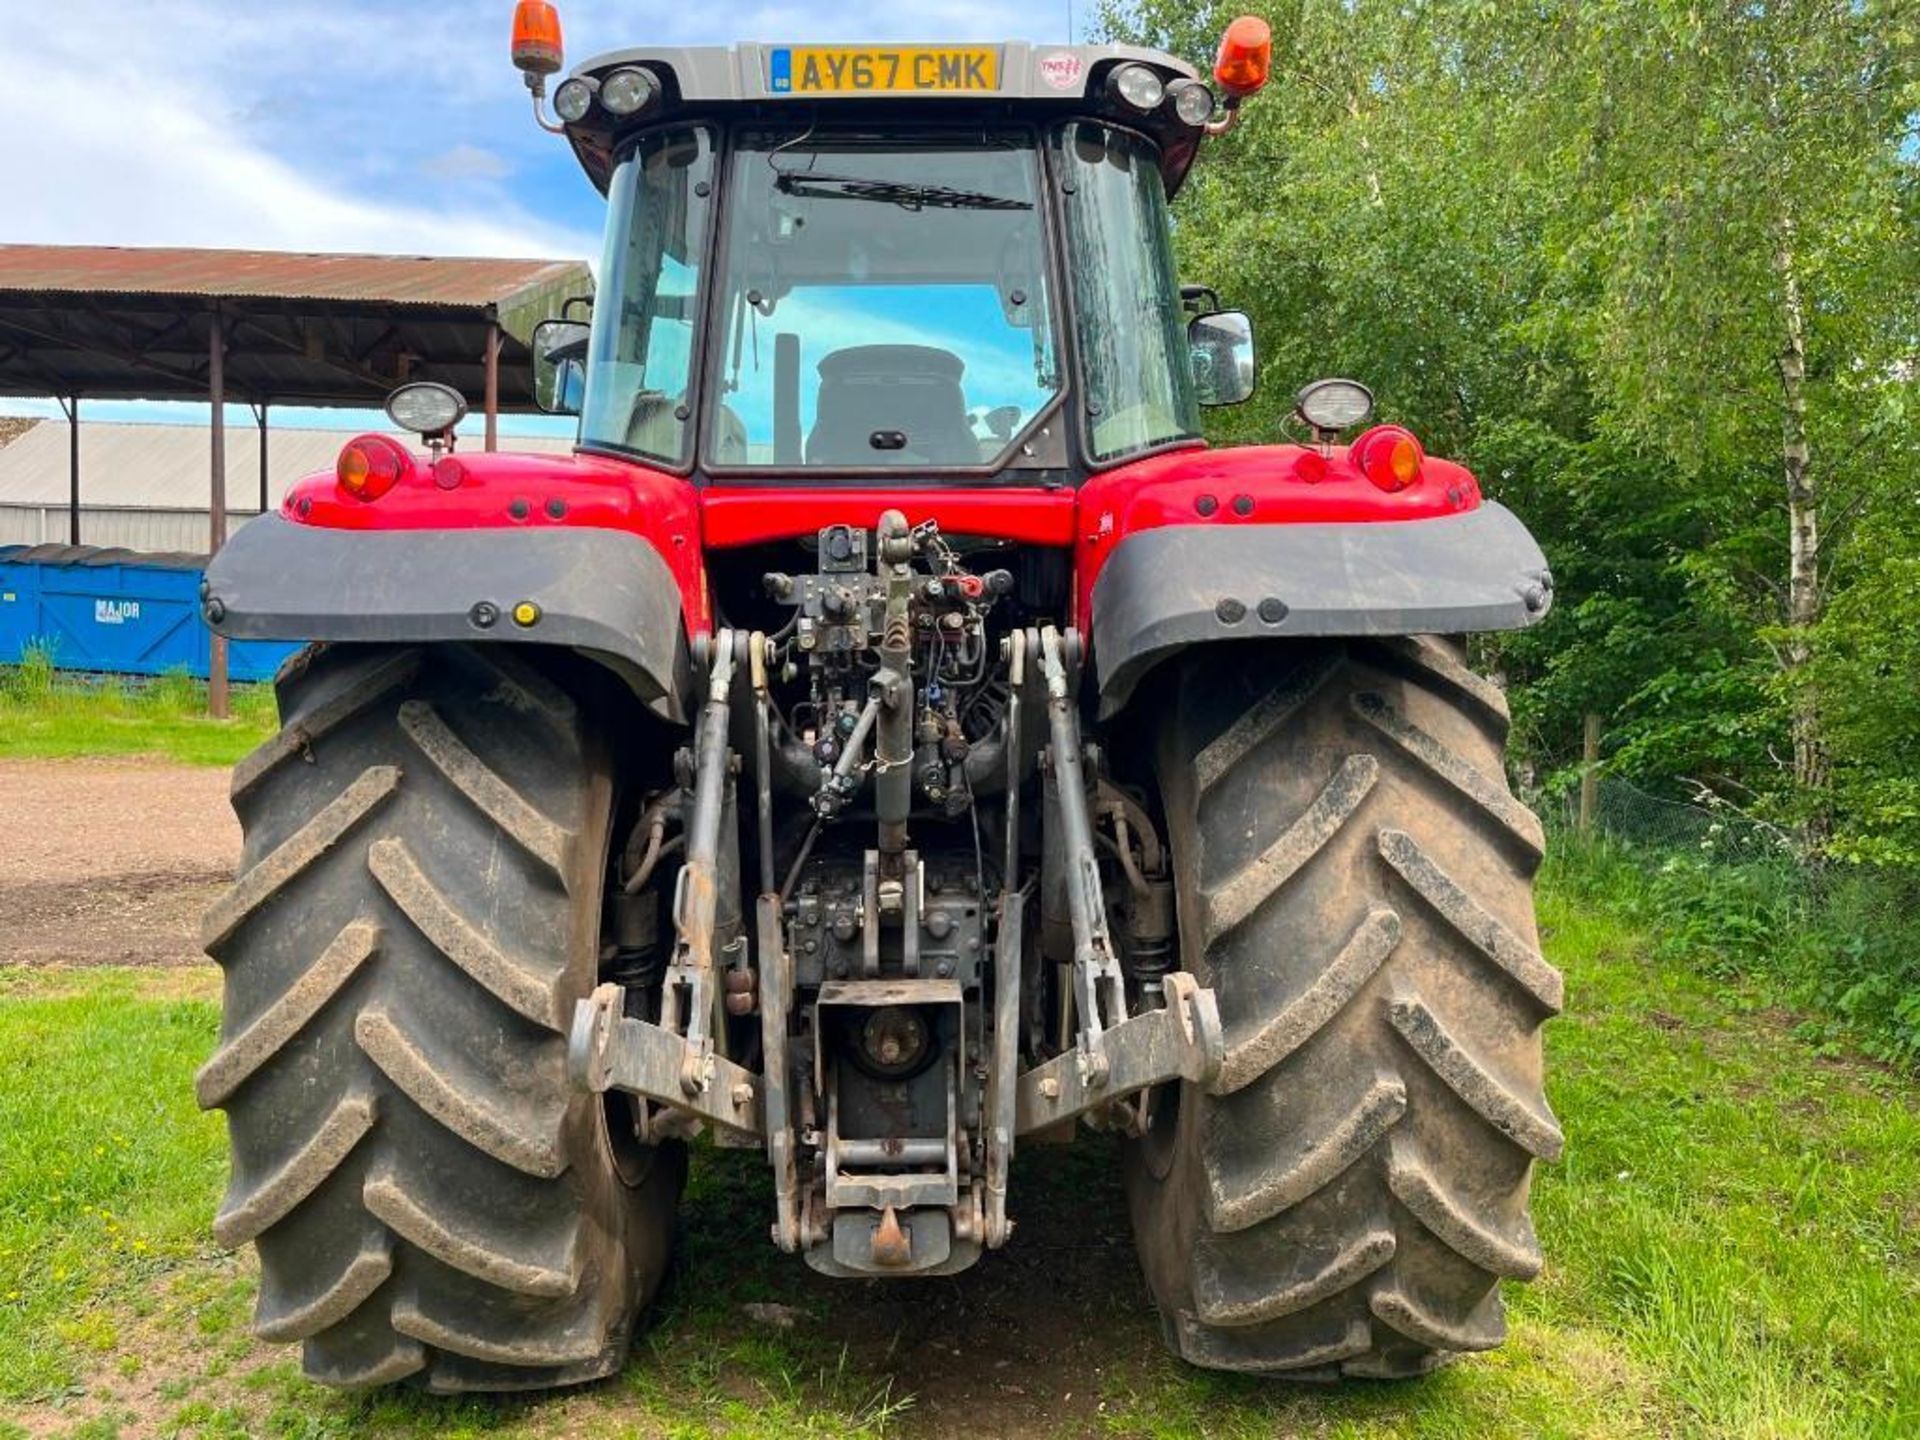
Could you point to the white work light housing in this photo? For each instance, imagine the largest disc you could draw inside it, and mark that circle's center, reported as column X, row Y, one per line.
column 427, row 408
column 1330, row 406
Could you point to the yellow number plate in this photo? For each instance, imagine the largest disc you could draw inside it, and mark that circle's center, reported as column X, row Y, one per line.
column 862, row 70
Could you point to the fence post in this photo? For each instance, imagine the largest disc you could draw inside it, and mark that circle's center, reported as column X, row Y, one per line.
column 1589, row 772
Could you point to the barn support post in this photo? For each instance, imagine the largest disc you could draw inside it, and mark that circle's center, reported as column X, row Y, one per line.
column 70, row 406
column 260, row 416
column 493, row 385
column 217, row 536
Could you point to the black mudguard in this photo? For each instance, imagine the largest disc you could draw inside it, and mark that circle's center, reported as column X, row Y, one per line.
column 605, row 593
column 1166, row 589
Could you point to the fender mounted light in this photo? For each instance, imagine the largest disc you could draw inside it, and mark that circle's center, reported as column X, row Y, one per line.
column 427, row 408
column 371, row 465
column 1245, row 57
column 537, row 51
column 1330, row 406
column 1389, row 456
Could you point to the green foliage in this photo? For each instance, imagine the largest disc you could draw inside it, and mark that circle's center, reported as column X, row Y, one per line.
column 1560, row 240
column 1842, row 941
column 1642, row 632
column 31, row 682
column 1868, row 673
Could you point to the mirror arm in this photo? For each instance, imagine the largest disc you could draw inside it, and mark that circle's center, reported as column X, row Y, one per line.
column 1194, row 296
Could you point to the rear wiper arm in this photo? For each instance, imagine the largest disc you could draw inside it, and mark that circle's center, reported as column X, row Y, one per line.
column 814, row 186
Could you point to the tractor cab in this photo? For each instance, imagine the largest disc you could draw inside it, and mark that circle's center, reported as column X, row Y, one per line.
column 893, row 261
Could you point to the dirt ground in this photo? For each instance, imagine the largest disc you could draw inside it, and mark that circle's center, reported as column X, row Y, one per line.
column 110, row 861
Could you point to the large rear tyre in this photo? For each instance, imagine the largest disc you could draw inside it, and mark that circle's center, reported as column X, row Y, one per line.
column 1355, row 881
column 417, row 910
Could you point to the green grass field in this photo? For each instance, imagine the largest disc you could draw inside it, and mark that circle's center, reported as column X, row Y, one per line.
column 45, row 713
column 1733, row 1244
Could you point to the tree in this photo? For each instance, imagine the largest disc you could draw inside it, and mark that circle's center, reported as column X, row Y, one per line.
column 1734, row 263
column 1650, row 268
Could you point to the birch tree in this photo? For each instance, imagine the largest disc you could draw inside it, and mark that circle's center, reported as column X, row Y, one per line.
column 1651, row 267
column 1735, row 263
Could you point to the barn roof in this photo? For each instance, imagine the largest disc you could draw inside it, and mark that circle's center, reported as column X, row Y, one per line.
column 399, row 279
column 111, row 322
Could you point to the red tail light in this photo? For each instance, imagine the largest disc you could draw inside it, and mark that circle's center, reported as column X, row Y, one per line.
column 536, row 38
column 1389, row 456
column 371, row 465
column 1246, row 55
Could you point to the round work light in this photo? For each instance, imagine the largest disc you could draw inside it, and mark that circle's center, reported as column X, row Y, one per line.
column 1331, row 406
column 1138, row 86
column 1192, row 101
column 629, row 90
column 573, row 99
column 426, row 407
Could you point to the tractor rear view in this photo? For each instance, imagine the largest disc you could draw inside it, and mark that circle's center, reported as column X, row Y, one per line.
column 893, row 736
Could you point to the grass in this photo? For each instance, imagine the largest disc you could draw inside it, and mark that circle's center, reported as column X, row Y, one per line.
column 47, row 713
column 1842, row 941
column 1733, row 1243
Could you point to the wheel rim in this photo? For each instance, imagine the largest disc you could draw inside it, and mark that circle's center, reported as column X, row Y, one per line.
column 1166, row 1107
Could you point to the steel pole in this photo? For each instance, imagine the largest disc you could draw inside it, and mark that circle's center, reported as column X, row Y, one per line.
column 893, row 683
column 260, row 412
column 217, row 530
column 72, row 407
column 493, row 386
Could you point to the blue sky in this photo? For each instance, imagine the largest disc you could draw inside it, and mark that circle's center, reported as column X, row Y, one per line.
column 364, row 125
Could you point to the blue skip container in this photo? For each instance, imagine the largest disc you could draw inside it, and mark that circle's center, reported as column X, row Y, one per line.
column 121, row 612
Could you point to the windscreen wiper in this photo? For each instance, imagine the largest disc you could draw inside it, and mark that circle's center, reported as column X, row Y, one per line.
column 812, row 185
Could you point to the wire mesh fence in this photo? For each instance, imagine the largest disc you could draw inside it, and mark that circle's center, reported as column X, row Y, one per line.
column 1713, row 830
column 1729, row 895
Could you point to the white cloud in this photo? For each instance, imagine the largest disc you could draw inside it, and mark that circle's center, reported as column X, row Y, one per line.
column 469, row 162
column 329, row 124
column 154, row 169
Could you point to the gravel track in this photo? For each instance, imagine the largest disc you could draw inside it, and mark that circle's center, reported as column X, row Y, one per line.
column 110, row 861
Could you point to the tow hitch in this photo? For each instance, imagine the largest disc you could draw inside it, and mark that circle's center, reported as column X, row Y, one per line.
column 1182, row 1041
column 906, row 1100
column 608, row 1050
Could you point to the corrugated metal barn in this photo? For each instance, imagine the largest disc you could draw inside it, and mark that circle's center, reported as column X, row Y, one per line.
column 145, row 487
column 223, row 327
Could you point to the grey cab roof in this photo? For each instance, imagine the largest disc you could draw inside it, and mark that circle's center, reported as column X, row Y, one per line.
column 1031, row 80
column 709, row 74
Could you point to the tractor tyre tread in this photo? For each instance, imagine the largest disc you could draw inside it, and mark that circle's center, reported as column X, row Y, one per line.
column 417, row 910
column 1354, row 879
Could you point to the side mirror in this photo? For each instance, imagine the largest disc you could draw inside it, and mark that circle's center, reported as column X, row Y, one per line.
column 1221, row 346
column 560, row 365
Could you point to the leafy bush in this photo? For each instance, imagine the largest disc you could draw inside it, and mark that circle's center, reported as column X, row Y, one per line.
column 1868, row 658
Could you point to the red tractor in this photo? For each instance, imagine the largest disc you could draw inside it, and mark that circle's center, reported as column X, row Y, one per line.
column 892, row 734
